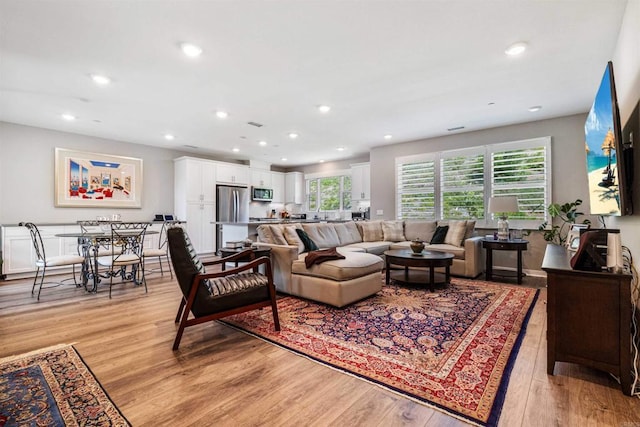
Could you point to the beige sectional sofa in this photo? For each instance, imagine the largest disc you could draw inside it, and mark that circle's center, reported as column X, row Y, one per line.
column 363, row 243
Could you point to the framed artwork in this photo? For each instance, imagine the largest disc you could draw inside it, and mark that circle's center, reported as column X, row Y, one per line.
column 92, row 180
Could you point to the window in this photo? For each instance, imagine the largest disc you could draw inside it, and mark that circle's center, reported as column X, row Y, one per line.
column 416, row 184
column 330, row 193
column 457, row 184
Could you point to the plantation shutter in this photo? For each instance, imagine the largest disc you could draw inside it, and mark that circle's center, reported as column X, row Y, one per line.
column 415, row 191
column 523, row 170
column 462, row 184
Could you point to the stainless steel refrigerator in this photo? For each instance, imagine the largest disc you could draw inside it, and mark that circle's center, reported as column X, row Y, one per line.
column 232, row 206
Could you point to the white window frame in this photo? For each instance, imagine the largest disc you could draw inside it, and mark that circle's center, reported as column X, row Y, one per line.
column 341, row 173
column 487, row 150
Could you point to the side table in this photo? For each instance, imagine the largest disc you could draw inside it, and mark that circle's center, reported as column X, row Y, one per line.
column 257, row 253
column 491, row 245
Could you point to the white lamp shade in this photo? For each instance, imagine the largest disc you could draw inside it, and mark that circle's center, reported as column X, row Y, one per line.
column 503, row 204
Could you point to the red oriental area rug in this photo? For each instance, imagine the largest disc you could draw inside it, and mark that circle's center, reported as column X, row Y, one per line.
column 452, row 349
column 53, row 387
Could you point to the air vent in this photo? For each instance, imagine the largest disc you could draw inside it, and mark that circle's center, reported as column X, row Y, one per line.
column 456, row 128
column 258, row 125
column 189, row 146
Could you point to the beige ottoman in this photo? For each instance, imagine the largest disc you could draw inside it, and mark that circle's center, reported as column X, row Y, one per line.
column 338, row 282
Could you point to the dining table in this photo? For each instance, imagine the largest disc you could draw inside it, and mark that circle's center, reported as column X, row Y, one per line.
column 89, row 244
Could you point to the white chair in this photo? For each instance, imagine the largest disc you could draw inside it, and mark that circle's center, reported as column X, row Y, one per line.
column 163, row 248
column 127, row 240
column 42, row 262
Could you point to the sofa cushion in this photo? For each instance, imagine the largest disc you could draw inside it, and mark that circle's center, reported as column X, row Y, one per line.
column 418, row 229
column 456, row 232
column 309, row 244
column 371, row 231
column 458, row 252
column 471, row 225
column 393, row 231
column 352, row 248
column 271, row 233
column 376, row 248
column 440, row 234
column 320, row 256
column 400, row 245
column 353, row 266
column 292, row 236
column 323, row 234
column 348, row 233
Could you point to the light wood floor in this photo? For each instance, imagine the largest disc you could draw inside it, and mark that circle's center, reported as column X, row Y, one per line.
column 224, row 377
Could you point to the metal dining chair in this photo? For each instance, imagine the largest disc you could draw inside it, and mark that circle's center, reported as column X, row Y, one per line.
column 127, row 241
column 163, row 247
column 43, row 262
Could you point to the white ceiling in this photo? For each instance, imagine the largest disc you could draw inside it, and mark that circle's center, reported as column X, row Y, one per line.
column 412, row 69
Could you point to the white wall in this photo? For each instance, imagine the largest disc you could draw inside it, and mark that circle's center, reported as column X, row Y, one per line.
column 27, row 175
column 626, row 68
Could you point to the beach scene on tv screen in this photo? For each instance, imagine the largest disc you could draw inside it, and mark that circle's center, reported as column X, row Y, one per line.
column 602, row 159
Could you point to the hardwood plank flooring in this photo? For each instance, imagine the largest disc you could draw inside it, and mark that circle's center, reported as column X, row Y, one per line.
column 224, row 377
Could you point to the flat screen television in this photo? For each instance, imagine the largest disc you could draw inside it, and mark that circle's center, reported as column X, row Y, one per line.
column 606, row 158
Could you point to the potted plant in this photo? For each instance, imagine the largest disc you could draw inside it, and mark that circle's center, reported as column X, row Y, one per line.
column 567, row 214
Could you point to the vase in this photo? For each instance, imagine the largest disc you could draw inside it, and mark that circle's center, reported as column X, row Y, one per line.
column 417, row 246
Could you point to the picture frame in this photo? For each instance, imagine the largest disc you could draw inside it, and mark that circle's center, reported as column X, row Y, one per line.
column 94, row 180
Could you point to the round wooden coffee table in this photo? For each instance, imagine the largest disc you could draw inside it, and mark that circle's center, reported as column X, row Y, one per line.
column 426, row 259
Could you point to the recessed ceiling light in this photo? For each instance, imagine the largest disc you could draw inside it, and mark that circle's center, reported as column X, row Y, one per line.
column 191, row 50
column 293, row 135
column 235, row 149
column 222, row 114
column 340, row 148
column 68, row 117
column 535, row 108
column 388, row 136
column 284, row 159
column 324, row 109
column 169, row 137
column 100, row 80
column 321, row 161
column 516, row 49
column 262, row 143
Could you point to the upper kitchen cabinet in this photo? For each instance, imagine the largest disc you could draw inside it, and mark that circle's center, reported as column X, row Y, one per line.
column 361, row 181
column 194, row 180
column 294, row 187
column 261, row 178
column 230, row 173
column 277, row 183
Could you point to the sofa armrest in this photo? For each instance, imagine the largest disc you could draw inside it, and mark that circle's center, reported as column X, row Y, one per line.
column 281, row 258
column 474, row 256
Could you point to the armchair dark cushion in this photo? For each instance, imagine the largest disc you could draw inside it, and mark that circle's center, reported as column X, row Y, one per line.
column 210, row 296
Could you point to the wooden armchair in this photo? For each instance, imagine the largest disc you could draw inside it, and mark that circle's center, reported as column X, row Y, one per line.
column 211, row 296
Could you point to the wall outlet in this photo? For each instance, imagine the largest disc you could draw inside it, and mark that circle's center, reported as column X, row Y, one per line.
column 379, row 212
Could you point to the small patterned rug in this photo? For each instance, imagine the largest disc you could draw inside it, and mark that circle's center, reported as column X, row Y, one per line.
column 53, row 387
column 452, row 349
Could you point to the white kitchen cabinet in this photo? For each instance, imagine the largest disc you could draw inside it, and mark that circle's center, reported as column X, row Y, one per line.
column 197, row 208
column 199, row 218
column 277, row 183
column 294, row 187
column 261, row 178
column 361, row 181
column 194, row 180
column 18, row 252
column 230, row 173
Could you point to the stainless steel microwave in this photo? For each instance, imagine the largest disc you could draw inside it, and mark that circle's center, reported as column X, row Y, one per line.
column 261, row 194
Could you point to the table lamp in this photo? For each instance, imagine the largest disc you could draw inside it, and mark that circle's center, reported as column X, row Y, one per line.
column 501, row 205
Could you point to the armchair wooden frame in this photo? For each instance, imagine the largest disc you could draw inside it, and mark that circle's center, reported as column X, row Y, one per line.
column 186, row 304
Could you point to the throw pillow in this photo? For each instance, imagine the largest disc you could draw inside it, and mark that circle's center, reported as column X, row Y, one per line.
column 455, row 234
column 317, row 257
column 471, row 225
column 439, row 235
column 393, row 231
column 371, row 231
column 309, row 245
column 293, row 238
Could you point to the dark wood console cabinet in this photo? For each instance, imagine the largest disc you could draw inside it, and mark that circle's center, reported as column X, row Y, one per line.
column 588, row 317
